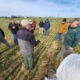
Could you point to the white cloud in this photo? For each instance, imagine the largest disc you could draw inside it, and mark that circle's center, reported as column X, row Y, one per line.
column 39, row 8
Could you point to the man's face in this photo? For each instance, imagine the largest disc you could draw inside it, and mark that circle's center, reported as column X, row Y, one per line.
column 12, row 21
column 46, row 20
column 74, row 24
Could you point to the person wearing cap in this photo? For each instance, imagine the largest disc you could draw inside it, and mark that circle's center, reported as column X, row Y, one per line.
column 46, row 27
column 69, row 68
column 41, row 24
column 72, row 22
column 62, row 30
column 27, row 42
column 72, row 38
column 13, row 28
column 18, row 24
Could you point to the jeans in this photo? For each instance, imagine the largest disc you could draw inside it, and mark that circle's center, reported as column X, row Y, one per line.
column 46, row 32
column 28, row 61
column 15, row 38
column 59, row 36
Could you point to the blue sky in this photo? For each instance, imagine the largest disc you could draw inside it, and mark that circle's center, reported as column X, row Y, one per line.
column 61, row 8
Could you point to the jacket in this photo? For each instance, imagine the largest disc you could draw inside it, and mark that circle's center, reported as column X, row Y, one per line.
column 72, row 37
column 1, row 35
column 62, row 28
column 47, row 25
column 26, row 41
column 2, row 32
column 41, row 24
column 34, row 23
column 14, row 31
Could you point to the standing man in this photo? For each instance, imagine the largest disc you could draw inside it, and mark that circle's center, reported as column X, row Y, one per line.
column 62, row 30
column 46, row 27
column 13, row 27
column 72, row 38
column 41, row 24
column 27, row 43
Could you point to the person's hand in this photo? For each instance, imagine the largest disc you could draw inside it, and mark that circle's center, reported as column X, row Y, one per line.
column 13, row 27
column 70, row 48
column 64, row 33
column 41, row 40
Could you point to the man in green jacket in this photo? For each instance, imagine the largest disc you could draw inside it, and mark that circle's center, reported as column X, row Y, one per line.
column 72, row 37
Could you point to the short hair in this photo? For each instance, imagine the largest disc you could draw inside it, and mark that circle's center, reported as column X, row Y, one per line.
column 69, row 68
column 64, row 20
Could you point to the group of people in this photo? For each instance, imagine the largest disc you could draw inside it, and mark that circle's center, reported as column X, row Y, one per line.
column 44, row 27
column 72, row 36
column 69, row 68
column 13, row 27
column 23, row 35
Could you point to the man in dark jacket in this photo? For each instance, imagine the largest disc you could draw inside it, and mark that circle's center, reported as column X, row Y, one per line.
column 41, row 24
column 13, row 27
column 72, row 38
column 2, row 38
column 27, row 43
column 46, row 27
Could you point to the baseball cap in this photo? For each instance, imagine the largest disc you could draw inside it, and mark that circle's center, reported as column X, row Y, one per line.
column 75, row 19
column 24, row 22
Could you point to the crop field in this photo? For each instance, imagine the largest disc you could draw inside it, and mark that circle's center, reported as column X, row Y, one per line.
column 11, row 60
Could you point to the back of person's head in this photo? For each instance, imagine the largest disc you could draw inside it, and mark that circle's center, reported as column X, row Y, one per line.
column 69, row 68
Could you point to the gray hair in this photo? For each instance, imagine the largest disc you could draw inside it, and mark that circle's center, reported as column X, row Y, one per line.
column 69, row 68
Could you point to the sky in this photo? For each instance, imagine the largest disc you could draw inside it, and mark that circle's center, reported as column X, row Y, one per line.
column 40, row 8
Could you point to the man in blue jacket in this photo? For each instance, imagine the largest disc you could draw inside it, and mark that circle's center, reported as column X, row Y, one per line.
column 46, row 27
